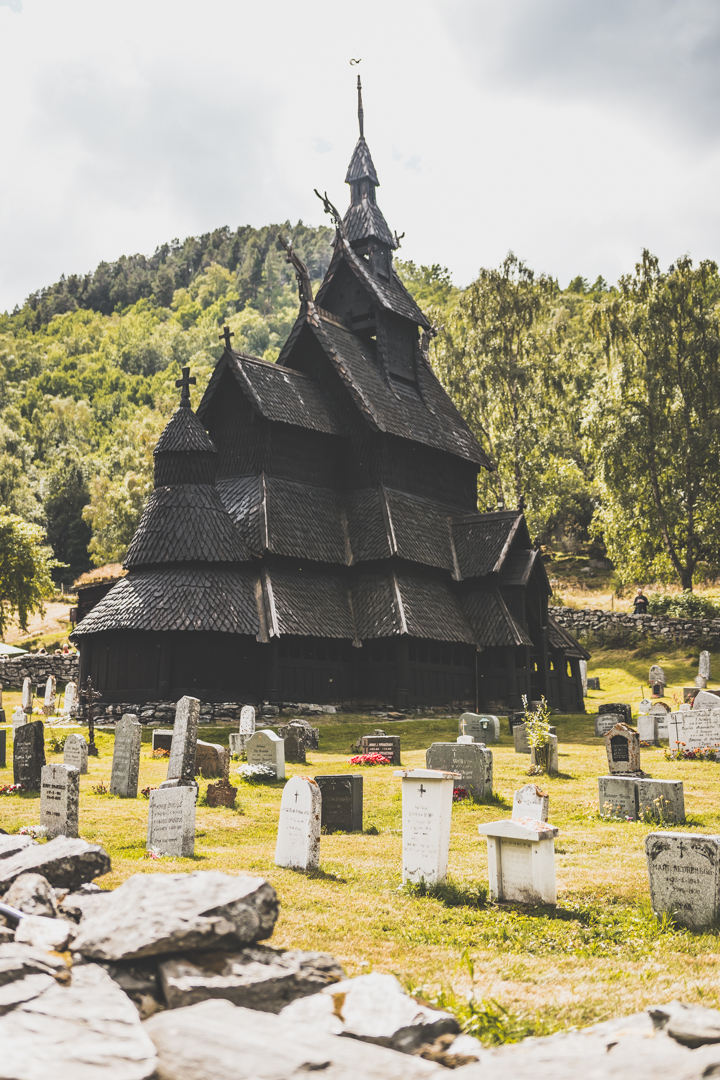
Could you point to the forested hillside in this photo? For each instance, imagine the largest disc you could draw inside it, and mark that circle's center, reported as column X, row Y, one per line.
column 600, row 405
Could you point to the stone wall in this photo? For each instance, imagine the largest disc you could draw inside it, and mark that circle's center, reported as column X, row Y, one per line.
column 619, row 626
column 163, row 712
column 37, row 667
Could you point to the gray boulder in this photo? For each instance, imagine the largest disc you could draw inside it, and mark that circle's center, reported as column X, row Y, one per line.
column 216, row 1040
column 155, row 914
column 44, row 933
column 374, row 1008
column 64, row 862
column 17, row 961
column 87, row 1030
column 690, row 1025
column 257, row 978
column 25, row 989
column 33, row 895
column 10, row 845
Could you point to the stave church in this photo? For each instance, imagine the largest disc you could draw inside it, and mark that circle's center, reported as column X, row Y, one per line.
column 313, row 534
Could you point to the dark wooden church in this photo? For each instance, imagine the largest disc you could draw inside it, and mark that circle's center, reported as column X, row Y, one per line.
column 313, row 535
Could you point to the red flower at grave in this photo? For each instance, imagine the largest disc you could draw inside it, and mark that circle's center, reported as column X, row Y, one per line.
column 370, row 759
column 459, row 793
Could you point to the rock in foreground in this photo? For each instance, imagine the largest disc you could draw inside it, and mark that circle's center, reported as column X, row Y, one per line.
column 216, row 1040
column 257, row 978
column 155, row 914
column 65, row 863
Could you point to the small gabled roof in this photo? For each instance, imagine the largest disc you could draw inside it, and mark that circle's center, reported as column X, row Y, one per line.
column 560, row 638
column 184, row 434
column 483, row 541
column 276, row 392
column 388, row 292
column 490, row 618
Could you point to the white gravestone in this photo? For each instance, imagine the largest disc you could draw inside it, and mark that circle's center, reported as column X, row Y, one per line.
column 70, row 699
column 171, row 821
column 27, row 696
column 704, row 665
column 18, row 718
column 617, row 797
column 661, row 710
column 647, row 729
column 583, row 676
column 684, row 871
column 267, row 748
column 704, row 699
column 605, row 722
column 483, row 727
column 661, row 800
column 473, row 763
column 59, row 800
column 530, row 802
column 126, row 757
column 75, row 753
column 181, row 764
column 553, row 767
column 298, row 838
column 426, row 811
column 520, row 739
column 50, row 696
column 521, row 860
column 247, row 728
column 697, row 729
column 644, row 706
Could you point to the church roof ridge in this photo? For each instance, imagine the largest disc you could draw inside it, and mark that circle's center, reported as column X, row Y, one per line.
column 184, row 433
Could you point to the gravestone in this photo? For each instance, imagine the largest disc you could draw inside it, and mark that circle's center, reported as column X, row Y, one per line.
column 27, row 697
column 294, row 746
column 342, row 802
column 211, row 759
column 700, row 682
column 267, row 748
column 661, row 800
column 520, row 739
column 75, row 753
column 644, row 707
column 3, row 749
column 298, row 838
column 69, row 699
column 704, row 665
column 221, row 794
column 656, row 679
column 50, row 695
column 623, row 750
column 171, row 821
column 162, row 739
column 706, row 699
column 126, row 757
column 521, row 860
column 684, row 871
column 618, row 708
column 29, row 754
column 553, row 767
column 530, row 802
column 661, row 710
column 426, row 810
column 604, row 722
column 583, row 676
column 594, row 682
column 484, row 728
column 247, row 728
column 695, row 729
column 60, row 800
column 647, row 729
column 309, row 734
column 18, row 718
column 181, row 765
column 387, row 745
column 471, row 761
column 617, row 797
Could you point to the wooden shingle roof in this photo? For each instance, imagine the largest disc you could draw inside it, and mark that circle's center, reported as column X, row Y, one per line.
column 185, row 523
column 560, row 638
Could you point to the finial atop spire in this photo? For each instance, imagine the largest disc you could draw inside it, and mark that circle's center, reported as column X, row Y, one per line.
column 361, row 114
column 184, row 385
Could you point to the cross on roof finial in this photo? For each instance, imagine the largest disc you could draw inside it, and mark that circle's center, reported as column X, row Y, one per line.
column 361, row 114
column 226, row 335
column 184, row 385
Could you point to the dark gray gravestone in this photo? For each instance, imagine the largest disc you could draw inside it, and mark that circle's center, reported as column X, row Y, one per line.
column 294, row 746
column 342, row 802
column 3, row 749
column 620, row 708
column 387, row 745
column 29, row 754
column 161, row 739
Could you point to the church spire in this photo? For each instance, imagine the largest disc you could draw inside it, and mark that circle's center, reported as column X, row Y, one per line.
column 364, row 222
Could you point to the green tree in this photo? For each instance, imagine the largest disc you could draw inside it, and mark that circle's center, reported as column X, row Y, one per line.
column 26, row 565
column 656, row 429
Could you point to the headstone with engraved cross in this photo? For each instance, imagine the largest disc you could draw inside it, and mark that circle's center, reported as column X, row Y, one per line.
column 298, row 838
column 427, row 796
column 89, row 696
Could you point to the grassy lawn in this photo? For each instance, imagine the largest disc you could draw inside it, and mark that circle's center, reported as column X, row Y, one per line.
column 600, row 954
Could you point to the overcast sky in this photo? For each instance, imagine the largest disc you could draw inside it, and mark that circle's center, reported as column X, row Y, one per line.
column 570, row 131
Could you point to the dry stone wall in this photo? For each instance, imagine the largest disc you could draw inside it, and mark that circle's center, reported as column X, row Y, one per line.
column 38, row 667
column 619, row 625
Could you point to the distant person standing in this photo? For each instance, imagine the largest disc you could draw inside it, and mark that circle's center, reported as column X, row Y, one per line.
column 640, row 603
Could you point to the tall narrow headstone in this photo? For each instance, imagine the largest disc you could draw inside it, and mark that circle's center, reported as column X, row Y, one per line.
column 426, row 811
column 247, row 728
column 171, row 821
column 181, row 765
column 19, row 719
column 521, row 860
column 60, row 800
column 294, row 747
column 530, row 802
column 29, row 754
column 298, row 838
column 704, row 665
column 684, row 871
column 3, row 749
column 126, row 757
column 267, row 748
column 472, row 762
column 27, row 696
column 50, row 696
column 520, row 739
column 342, row 802
column 75, row 753
column 70, row 698
column 583, row 676
column 553, row 766
column 647, row 729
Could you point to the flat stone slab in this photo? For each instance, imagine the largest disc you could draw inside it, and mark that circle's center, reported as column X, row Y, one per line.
column 225, row 1042
column 83, row 1031
column 155, row 914
column 33, row 895
column 11, row 845
column 65, row 862
column 257, row 978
